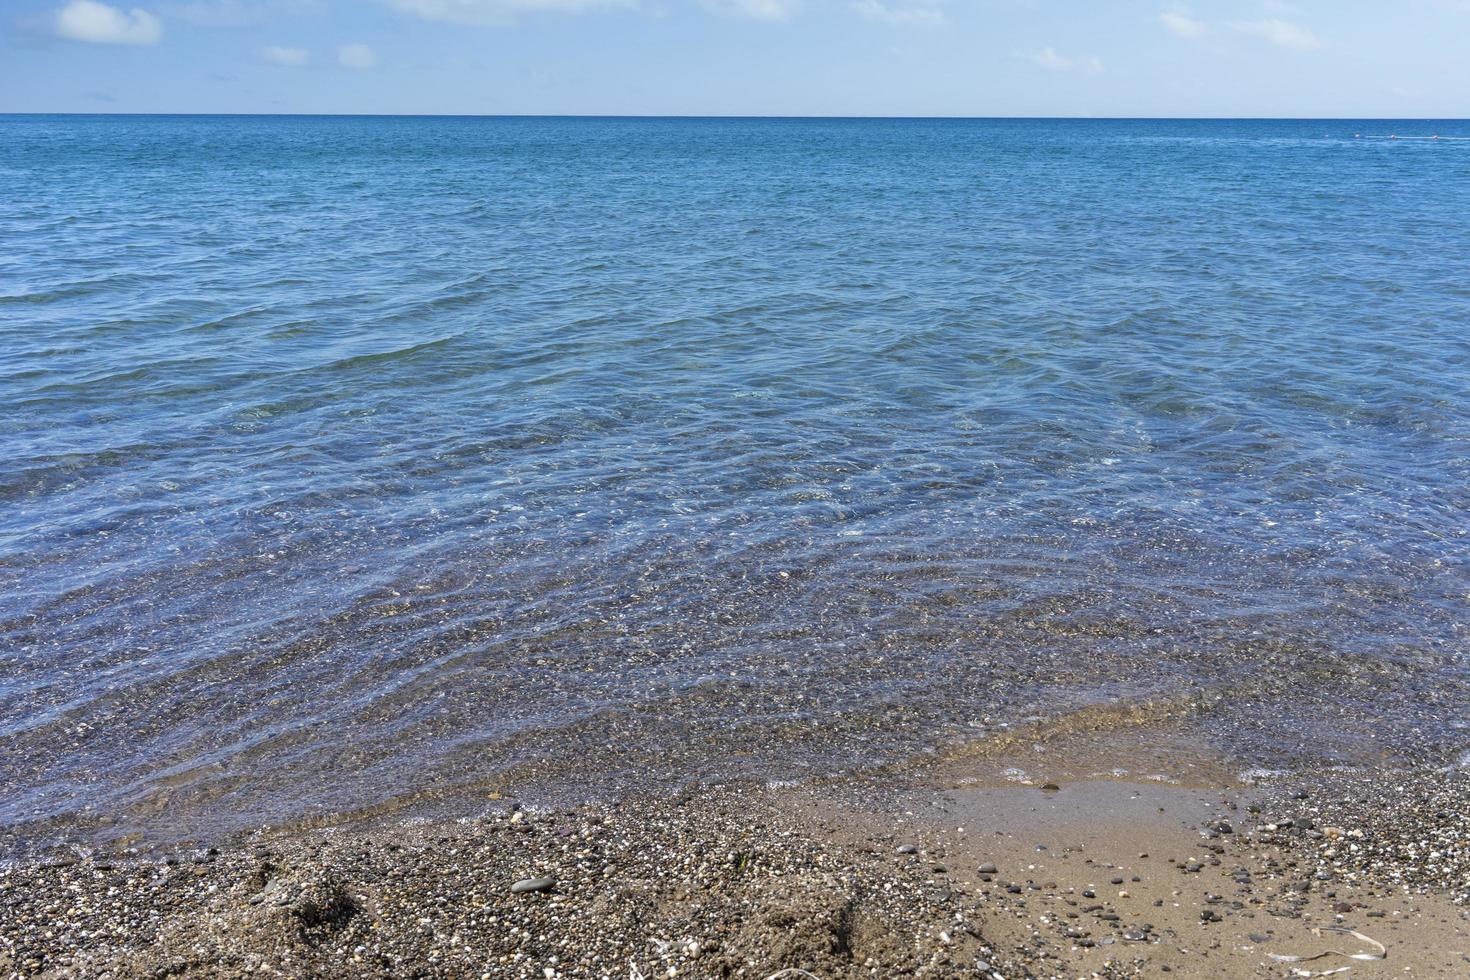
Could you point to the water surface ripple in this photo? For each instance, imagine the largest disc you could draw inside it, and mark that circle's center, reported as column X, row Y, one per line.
column 349, row 458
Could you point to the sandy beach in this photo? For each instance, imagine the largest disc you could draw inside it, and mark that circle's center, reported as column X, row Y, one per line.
column 950, row 873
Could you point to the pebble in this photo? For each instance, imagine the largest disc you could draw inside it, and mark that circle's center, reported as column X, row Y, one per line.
column 533, row 885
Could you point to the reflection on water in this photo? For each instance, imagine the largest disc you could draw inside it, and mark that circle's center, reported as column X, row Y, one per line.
column 350, row 459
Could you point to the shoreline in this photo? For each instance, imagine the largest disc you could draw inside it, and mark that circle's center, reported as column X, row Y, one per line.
column 839, row 879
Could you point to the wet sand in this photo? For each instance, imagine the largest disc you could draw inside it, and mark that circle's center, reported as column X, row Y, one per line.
column 1118, row 878
column 957, row 873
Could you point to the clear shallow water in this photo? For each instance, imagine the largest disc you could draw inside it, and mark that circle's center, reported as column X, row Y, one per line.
column 350, row 460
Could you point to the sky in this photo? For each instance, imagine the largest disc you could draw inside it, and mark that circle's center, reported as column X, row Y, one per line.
column 1234, row 58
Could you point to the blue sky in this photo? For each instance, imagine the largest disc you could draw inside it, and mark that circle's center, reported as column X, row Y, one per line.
column 1352, row 58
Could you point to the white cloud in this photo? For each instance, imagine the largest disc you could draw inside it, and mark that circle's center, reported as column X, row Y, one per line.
column 97, row 23
column 1281, row 33
column 1181, row 23
column 500, row 11
column 357, row 56
column 914, row 15
column 752, row 9
column 1050, row 59
column 285, row 56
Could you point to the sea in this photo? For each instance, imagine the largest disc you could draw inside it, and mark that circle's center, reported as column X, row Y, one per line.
column 350, row 462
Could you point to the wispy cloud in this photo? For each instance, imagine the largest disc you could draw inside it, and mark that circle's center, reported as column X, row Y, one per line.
column 907, row 15
column 498, row 12
column 97, row 23
column 1282, row 33
column 357, row 56
column 285, row 56
column 1052, row 60
column 752, row 9
column 1181, row 23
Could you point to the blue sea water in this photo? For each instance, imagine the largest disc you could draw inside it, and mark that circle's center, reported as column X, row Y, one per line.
column 358, row 460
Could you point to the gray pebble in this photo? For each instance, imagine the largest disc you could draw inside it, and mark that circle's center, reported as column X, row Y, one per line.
column 533, row 885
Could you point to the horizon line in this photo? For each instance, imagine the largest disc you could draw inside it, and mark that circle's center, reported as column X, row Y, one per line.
column 675, row 116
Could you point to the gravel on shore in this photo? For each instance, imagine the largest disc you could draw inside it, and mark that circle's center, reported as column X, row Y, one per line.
column 713, row 885
column 1408, row 829
column 755, row 883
